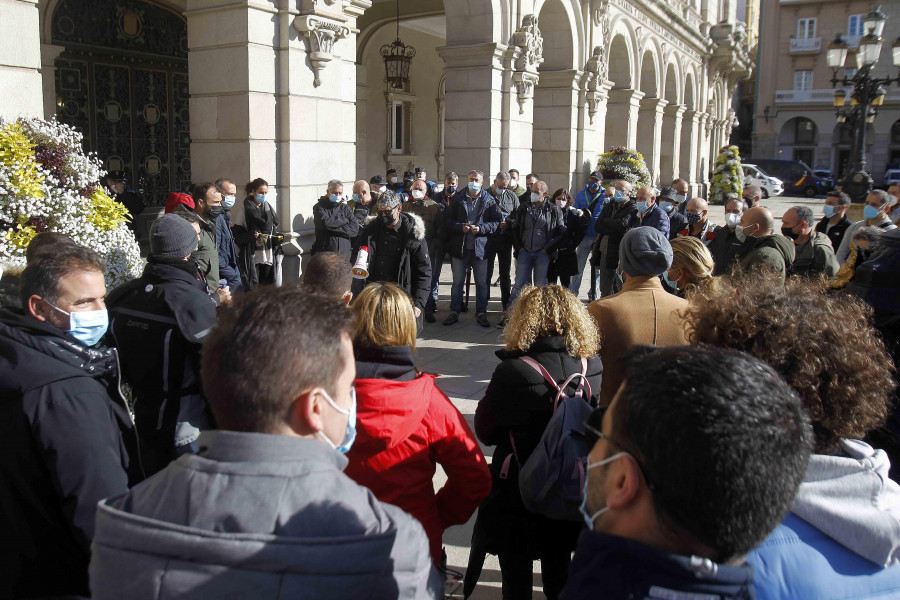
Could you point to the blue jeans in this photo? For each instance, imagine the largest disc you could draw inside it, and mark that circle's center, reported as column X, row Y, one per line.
column 526, row 263
column 583, row 252
column 437, row 263
column 479, row 275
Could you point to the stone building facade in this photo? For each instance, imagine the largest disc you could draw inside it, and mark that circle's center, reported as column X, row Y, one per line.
column 795, row 118
column 294, row 91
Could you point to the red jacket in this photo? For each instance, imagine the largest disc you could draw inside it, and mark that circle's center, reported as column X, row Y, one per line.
column 405, row 428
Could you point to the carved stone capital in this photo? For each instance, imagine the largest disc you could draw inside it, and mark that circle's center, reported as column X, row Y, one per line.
column 525, row 84
column 528, row 39
column 322, row 33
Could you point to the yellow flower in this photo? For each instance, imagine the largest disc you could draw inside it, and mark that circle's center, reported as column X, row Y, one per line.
column 106, row 213
column 17, row 154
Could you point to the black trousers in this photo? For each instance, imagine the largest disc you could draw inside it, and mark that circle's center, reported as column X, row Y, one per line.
column 518, row 576
column 500, row 246
column 266, row 274
column 552, row 276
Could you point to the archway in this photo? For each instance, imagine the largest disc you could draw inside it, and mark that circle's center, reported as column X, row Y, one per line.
column 649, row 125
column 126, row 90
column 555, row 99
column 621, row 109
column 671, row 129
column 687, row 167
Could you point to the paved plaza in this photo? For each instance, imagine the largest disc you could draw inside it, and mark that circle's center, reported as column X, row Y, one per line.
column 463, row 355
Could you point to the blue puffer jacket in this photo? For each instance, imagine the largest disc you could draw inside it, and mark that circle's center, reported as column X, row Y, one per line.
column 484, row 213
column 583, row 200
column 841, row 539
column 228, row 258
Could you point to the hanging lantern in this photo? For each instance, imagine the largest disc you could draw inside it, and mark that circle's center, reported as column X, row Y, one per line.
column 397, row 58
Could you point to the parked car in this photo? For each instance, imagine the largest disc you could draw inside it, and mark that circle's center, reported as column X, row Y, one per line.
column 798, row 178
column 770, row 186
column 891, row 177
column 826, row 178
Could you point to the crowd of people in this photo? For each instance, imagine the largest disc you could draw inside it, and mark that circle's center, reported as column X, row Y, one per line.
column 724, row 405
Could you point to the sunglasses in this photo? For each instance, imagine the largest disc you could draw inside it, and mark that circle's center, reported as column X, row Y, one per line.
column 385, row 213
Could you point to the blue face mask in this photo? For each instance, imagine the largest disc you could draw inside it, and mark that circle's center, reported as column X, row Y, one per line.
column 667, row 206
column 641, row 206
column 870, row 212
column 669, row 282
column 356, row 197
column 449, row 190
column 260, row 198
column 227, row 201
column 334, row 198
column 350, row 430
column 474, row 186
column 86, row 326
column 593, row 187
column 590, row 518
column 619, row 196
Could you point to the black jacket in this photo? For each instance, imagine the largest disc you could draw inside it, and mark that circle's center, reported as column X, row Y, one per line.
column 836, row 235
column 724, row 248
column 677, row 223
column 609, row 566
column 336, row 225
column 414, row 274
column 612, row 222
column 575, row 229
column 483, row 213
column 519, row 401
column 164, row 314
column 555, row 222
column 66, row 442
column 260, row 218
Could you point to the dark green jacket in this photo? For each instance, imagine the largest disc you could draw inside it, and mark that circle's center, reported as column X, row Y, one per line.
column 815, row 257
column 775, row 252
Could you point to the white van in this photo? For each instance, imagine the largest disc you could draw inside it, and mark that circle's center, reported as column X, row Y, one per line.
column 770, row 186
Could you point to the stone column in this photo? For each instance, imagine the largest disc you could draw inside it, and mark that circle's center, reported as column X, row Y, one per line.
column 517, row 112
column 592, row 128
column 473, row 100
column 21, row 88
column 273, row 95
column 622, row 118
column 556, row 127
column 671, row 143
column 649, row 133
column 690, row 136
column 704, row 159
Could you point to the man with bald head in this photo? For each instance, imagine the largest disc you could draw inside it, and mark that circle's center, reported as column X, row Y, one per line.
column 699, row 225
column 761, row 247
column 814, row 254
column 648, row 213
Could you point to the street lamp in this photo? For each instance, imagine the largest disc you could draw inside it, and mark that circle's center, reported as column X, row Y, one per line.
column 868, row 94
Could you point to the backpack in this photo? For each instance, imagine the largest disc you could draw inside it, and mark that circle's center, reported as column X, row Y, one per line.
column 551, row 481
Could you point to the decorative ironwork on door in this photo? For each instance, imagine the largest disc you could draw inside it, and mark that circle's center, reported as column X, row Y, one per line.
column 122, row 80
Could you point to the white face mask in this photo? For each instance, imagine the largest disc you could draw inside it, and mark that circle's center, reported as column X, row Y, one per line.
column 393, row 180
column 513, row 184
column 536, row 198
column 418, row 194
column 732, row 219
column 590, row 518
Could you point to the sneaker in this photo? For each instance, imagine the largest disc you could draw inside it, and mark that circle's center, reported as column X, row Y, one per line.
column 502, row 323
column 429, row 316
column 451, row 319
column 483, row 320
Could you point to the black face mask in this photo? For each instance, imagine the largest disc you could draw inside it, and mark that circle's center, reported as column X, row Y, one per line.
column 788, row 232
column 216, row 210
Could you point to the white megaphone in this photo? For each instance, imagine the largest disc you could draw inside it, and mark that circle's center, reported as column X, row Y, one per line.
column 361, row 268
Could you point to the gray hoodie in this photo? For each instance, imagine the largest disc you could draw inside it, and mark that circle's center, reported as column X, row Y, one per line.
column 257, row 516
column 853, row 501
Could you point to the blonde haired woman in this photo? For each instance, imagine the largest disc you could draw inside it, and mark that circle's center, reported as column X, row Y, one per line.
column 692, row 265
column 549, row 325
column 405, row 425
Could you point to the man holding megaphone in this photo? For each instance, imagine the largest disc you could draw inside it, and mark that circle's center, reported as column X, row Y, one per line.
column 397, row 251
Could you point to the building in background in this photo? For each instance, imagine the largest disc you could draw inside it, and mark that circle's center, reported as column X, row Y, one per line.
column 294, row 91
column 794, row 117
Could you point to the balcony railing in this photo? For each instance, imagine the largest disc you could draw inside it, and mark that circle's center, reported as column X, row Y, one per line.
column 825, row 96
column 806, row 45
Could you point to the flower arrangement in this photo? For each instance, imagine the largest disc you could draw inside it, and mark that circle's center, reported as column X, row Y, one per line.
column 48, row 183
column 728, row 176
column 624, row 163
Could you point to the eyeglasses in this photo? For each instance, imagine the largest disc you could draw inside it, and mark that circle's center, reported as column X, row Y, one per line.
column 385, row 213
column 592, row 433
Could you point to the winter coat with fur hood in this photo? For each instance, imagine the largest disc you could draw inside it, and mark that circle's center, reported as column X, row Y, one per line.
column 414, row 272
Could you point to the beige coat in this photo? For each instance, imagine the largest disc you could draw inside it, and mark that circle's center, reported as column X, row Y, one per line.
column 643, row 313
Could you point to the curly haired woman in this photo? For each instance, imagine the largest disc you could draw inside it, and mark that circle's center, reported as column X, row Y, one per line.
column 549, row 325
column 842, row 536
